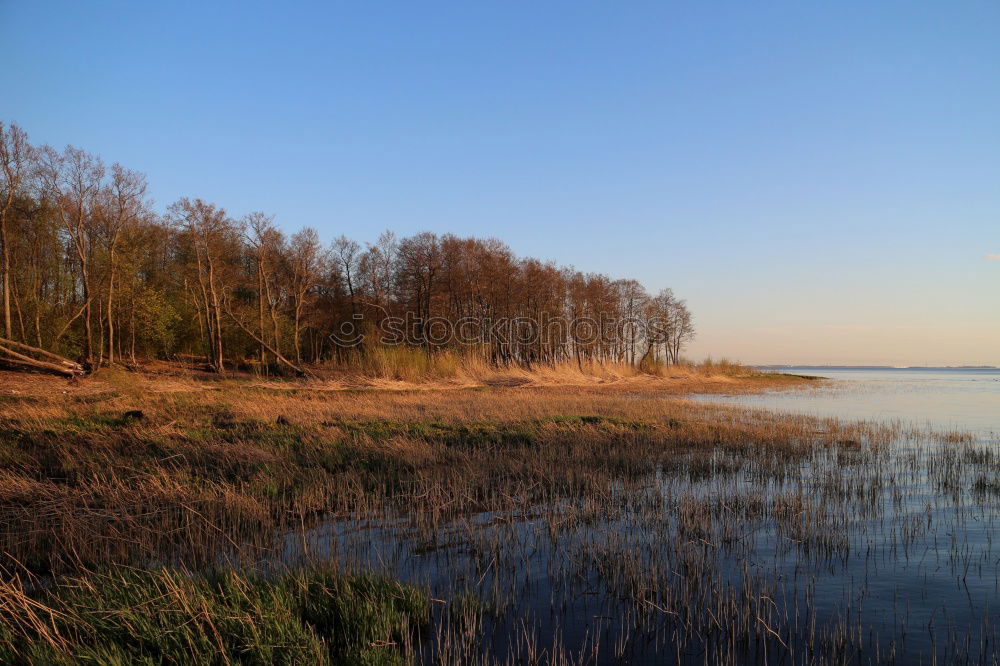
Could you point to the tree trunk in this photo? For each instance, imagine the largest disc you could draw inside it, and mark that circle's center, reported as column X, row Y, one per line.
column 56, row 363
column 111, row 291
column 6, row 273
column 88, row 345
column 298, row 351
column 260, row 308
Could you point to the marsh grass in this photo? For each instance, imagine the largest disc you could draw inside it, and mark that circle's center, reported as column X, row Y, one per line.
column 699, row 532
column 84, row 486
column 420, row 366
column 122, row 615
column 402, row 363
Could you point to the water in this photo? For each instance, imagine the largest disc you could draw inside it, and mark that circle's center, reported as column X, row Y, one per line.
column 856, row 552
column 966, row 399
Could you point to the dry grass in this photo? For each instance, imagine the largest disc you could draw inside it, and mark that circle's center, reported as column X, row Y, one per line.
column 225, row 465
column 652, row 505
column 406, row 370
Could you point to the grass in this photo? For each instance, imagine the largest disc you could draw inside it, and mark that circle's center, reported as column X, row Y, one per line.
column 122, row 615
column 405, row 368
column 85, row 486
column 402, row 363
column 239, row 522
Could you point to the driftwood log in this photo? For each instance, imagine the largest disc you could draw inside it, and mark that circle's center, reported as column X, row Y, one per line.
column 39, row 359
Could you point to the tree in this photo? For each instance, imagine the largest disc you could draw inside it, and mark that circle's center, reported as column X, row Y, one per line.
column 88, row 269
column 632, row 301
column 419, row 266
column 377, row 270
column 210, row 242
column 346, row 254
column 73, row 180
column 16, row 157
column 267, row 249
column 668, row 326
column 306, row 261
column 125, row 206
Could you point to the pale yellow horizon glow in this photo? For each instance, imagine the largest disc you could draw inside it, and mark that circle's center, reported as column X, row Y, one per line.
column 947, row 344
column 930, row 306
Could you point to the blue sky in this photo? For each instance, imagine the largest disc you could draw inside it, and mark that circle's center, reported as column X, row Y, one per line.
column 821, row 181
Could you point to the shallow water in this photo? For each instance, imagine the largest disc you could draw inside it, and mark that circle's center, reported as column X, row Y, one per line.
column 858, row 554
column 966, row 399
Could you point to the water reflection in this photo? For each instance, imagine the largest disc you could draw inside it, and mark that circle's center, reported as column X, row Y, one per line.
column 856, row 553
column 965, row 399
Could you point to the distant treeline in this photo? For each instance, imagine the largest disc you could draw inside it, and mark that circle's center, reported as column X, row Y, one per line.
column 91, row 272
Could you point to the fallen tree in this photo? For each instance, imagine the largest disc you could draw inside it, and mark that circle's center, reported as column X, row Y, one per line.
column 39, row 359
column 301, row 372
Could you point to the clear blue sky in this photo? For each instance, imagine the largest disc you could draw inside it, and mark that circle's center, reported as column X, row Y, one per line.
column 820, row 180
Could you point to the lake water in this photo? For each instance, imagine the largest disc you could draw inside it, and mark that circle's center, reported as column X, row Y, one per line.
column 855, row 553
column 966, row 399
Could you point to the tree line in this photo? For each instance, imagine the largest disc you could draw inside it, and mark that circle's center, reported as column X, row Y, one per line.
column 90, row 271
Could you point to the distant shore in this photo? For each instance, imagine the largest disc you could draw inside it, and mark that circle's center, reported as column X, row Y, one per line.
column 879, row 367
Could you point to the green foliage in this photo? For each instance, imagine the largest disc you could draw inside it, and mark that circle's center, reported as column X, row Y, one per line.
column 359, row 611
column 156, row 323
column 127, row 616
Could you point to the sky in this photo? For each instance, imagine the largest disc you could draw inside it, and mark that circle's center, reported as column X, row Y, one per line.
column 820, row 181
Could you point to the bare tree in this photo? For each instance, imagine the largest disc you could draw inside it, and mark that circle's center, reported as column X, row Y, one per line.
column 633, row 299
column 83, row 256
column 125, row 206
column 347, row 254
column 683, row 329
column 669, row 326
column 211, row 239
column 377, row 267
column 73, row 181
column 306, row 261
column 16, row 156
column 419, row 267
column 267, row 246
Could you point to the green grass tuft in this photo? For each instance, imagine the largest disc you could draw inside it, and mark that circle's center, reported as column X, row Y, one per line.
column 126, row 616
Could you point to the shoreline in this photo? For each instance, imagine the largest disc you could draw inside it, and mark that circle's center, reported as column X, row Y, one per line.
column 178, row 379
